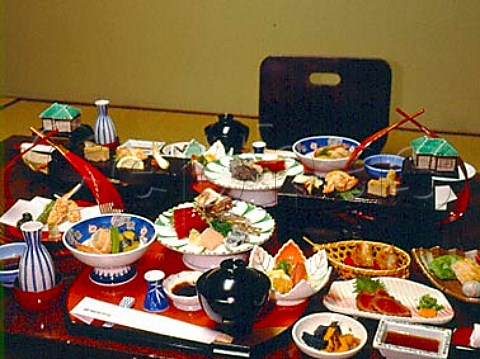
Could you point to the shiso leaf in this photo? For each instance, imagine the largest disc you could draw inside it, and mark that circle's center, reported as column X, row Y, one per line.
column 365, row 284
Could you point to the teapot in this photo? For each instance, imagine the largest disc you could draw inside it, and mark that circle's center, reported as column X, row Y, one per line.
column 233, row 295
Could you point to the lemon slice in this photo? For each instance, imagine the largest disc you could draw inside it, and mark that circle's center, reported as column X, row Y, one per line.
column 281, row 282
column 131, row 163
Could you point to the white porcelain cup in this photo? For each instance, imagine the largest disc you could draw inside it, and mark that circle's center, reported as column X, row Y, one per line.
column 259, row 147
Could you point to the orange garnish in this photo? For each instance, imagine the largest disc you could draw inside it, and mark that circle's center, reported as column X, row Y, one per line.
column 291, row 253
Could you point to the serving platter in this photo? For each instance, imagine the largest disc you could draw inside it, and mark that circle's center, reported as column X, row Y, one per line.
column 198, row 257
column 341, row 298
column 218, row 172
column 423, row 256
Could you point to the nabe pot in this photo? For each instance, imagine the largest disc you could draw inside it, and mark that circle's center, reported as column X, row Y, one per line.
column 233, row 295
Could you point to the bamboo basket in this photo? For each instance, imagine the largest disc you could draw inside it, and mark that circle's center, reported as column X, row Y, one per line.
column 338, row 251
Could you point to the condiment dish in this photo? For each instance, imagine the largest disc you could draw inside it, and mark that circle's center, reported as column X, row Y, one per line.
column 181, row 289
column 396, row 339
column 379, row 165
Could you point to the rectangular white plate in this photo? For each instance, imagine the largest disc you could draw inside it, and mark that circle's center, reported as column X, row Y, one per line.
column 341, row 298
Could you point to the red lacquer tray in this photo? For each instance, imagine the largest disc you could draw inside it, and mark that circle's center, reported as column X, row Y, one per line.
column 266, row 331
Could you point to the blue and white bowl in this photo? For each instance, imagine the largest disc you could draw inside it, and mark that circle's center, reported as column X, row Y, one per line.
column 305, row 148
column 378, row 165
column 110, row 269
column 10, row 250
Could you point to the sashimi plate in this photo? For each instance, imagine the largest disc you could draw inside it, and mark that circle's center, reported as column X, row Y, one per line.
column 218, row 172
column 341, row 298
column 198, row 257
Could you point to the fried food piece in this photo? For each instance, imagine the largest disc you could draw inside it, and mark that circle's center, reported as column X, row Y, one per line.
column 339, row 181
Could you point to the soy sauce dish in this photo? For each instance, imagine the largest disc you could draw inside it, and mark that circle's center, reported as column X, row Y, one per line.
column 378, row 165
column 406, row 340
column 181, row 289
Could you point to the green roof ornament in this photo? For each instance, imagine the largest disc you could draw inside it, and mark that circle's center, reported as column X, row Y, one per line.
column 61, row 117
column 435, row 154
column 59, row 111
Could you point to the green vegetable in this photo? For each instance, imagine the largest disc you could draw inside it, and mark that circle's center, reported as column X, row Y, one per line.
column 426, row 301
column 284, row 265
column 349, row 194
column 115, row 236
column 46, row 212
column 220, row 226
column 442, row 266
column 365, row 284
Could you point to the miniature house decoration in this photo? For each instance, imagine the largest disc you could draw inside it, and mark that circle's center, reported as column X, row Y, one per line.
column 434, row 154
column 63, row 118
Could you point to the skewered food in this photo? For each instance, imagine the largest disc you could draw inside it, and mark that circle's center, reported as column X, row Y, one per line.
column 363, row 256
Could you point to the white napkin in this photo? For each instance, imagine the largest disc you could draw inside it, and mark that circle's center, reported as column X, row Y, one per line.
column 475, row 337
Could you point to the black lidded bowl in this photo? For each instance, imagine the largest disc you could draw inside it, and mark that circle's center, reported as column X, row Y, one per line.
column 233, row 295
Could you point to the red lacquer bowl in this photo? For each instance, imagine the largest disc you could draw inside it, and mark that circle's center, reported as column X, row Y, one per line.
column 38, row 301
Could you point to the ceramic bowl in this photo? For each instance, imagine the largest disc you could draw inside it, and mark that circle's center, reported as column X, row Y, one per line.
column 378, row 165
column 317, row 268
column 188, row 302
column 312, row 321
column 39, row 301
column 9, row 253
column 110, row 269
column 305, row 147
column 441, row 336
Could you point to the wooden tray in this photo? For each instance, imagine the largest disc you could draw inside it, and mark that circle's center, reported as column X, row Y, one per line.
column 423, row 256
column 266, row 333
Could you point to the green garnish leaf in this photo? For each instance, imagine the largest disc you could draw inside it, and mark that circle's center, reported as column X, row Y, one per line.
column 220, row 226
column 351, row 194
column 426, row 301
column 365, row 284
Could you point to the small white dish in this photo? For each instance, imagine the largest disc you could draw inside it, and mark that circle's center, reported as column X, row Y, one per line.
column 312, row 321
column 400, row 329
column 188, row 303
